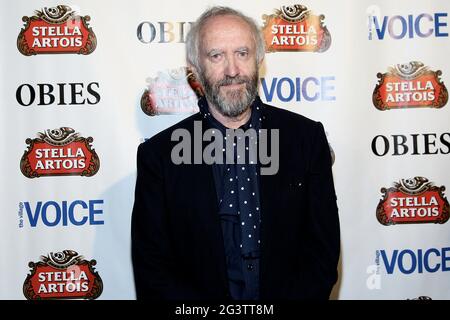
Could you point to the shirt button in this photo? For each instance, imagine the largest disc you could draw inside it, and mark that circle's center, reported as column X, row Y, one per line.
column 250, row 267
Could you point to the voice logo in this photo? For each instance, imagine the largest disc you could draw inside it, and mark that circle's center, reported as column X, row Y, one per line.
column 56, row 30
column 415, row 261
column 299, row 89
column 398, row 27
column 64, row 213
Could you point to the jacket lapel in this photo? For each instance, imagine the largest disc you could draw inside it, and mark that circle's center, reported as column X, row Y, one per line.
column 211, row 219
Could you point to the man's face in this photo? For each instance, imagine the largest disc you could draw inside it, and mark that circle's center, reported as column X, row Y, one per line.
column 228, row 67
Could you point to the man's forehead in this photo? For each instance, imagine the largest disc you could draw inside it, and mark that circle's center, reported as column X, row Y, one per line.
column 227, row 26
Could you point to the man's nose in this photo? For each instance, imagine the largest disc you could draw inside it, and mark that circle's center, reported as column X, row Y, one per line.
column 231, row 67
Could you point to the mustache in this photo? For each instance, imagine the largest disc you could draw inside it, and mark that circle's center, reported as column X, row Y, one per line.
column 227, row 80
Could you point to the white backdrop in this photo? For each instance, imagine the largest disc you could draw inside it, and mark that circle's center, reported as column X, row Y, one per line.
column 122, row 64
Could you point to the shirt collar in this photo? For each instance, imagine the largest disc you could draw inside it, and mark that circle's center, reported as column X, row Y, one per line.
column 254, row 121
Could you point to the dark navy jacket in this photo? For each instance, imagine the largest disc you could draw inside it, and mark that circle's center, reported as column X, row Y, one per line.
column 177, row 242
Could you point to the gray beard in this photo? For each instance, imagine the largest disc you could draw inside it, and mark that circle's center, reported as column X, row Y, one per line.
column 235, row 102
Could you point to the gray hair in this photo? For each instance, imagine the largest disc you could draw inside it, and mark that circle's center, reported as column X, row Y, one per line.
column 193, row 39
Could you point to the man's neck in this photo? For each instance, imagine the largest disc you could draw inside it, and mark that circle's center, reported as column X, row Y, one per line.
column 231, row 122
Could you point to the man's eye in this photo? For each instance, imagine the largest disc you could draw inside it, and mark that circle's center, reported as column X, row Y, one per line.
column 216, row 57
column 242, row 54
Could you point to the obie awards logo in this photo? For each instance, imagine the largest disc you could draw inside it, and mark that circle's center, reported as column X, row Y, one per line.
column 59, row 152
column 56, row 30
column 295, row 28
column 409, row 85
column 413, row 201
column 63, row 275
column 173, row 91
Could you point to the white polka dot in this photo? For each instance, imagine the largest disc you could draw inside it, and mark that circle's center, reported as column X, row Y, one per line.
column 259, row 241
column 240, row 245
column 231, row 205
column 243, row 168
column 245, row 202
column 253, row 193
column 250, row 215
column 223, row 150
column 257, row 208
column 234, row 144
column 246, row 148
column 254, row 227
column 248, row 179
column 243, row 223
column 249, row 235
column 232, row 191
column 242, row 188
column 228, row 169
column 231, row 179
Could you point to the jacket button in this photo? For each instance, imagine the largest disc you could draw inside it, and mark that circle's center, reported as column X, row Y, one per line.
column 250, row 267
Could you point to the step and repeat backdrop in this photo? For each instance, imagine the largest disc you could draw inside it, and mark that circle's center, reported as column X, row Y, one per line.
column 84, row 83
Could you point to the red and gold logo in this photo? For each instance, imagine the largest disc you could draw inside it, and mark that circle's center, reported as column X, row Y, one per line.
column 56, row 30
column 59, row 152
column 172, row 92
column 409, row 85
column 295, row 28
column 63, row 275
column 413, row 201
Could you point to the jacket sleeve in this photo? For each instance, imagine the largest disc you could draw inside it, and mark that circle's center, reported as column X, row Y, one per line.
column 154, row 263
column 323, row 236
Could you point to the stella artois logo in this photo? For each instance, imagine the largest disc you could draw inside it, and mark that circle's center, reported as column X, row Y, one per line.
column 171, row 92
column 62, row 275
column 56, row 30
column 59, row 152
column 295, row 28
column 421, row 298
column 409, row 85
column 413, row 201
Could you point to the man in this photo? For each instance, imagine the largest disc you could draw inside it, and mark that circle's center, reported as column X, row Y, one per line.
column 229, row 230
